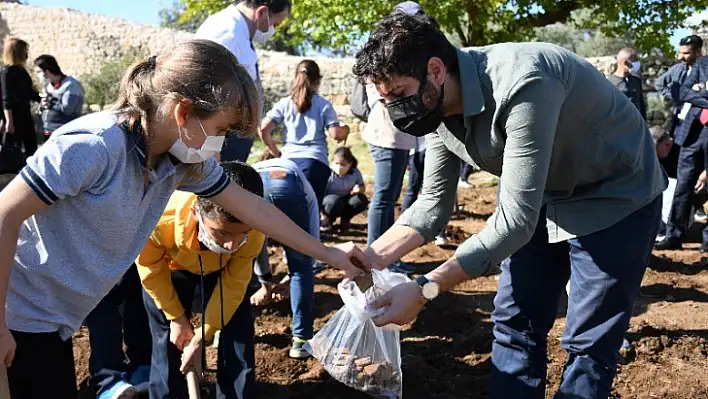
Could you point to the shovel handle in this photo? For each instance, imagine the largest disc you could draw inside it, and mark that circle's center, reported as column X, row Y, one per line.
column 193, row 385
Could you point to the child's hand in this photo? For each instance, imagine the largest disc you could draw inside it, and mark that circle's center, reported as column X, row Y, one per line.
column 263, row 296
column 701, row 183
column 7, row 346
column 192, row 357
column 356, row 190
column 181, row 332
column 274, row 152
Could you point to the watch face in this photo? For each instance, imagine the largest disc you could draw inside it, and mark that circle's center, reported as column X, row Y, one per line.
column 431, row 290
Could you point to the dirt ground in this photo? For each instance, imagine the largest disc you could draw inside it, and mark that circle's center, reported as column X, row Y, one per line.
column 447, row 350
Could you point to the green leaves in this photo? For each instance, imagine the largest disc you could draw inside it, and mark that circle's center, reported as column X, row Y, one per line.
column 341, row 26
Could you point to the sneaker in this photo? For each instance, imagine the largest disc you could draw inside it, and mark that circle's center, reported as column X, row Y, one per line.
column 704, row 248
column 297, row 351
column 317, row 267
column 441, row 240
column 401, row 267
column 668, row 243
column 700, row 216
column 325, row 224
column 120, row 390
column 140, row 379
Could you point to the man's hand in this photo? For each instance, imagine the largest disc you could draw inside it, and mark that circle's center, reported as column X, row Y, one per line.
column 701, row 183
column 192, row 357
column 402, row 304
column 181, row 332
column 348, row 258
column 698, row 86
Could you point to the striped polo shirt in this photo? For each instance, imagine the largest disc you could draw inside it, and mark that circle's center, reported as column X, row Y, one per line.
column 101, row 212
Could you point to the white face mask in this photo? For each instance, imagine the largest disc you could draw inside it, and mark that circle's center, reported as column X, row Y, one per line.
column 263, row 37
column 635, row 67
column 212, row 146
column 339, row 169
column 204, row 237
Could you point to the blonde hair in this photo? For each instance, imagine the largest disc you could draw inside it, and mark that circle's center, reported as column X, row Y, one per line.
column 204, row 73
column 15, row 51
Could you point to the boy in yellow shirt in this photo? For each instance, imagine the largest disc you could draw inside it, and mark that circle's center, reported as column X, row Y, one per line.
column 197, row 244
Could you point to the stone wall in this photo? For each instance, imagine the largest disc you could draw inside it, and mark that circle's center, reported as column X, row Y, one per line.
column 82, row 42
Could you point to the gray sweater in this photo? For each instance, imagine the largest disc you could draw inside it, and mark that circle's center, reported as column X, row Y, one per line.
column 66, row 102
column 556, row 132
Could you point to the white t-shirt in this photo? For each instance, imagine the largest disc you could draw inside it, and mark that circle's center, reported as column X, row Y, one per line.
column 229, row 28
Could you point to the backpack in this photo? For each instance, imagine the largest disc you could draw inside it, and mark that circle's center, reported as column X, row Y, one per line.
column 12, row 159
column 359, row 102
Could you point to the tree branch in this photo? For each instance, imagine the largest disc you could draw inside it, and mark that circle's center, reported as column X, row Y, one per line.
column 560, row 14
column 474, row 29
column 461, row 34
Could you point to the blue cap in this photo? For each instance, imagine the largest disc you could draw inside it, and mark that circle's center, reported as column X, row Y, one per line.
column 408, row 8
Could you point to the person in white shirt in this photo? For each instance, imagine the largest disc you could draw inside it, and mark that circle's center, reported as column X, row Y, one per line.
column 236, row 27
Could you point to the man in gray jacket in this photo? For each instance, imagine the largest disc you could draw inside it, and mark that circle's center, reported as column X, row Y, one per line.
column 578, row 198
column 63, row 96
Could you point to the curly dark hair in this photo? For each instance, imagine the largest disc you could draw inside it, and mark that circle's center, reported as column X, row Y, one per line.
column 241, row 174
column 402, row 45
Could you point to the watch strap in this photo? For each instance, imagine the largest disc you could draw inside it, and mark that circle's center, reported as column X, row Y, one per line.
column 422, row 280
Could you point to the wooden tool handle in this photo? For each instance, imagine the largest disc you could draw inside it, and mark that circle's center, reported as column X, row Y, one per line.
column 4, row 385
column 193, row 385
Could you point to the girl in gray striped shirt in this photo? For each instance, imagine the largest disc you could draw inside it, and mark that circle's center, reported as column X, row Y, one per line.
column 87, row 201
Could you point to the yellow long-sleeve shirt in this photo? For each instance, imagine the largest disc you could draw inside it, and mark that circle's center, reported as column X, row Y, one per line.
column 174, row 246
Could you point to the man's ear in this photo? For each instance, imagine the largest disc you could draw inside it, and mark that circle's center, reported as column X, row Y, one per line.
column 260, row 12
column 436, row 68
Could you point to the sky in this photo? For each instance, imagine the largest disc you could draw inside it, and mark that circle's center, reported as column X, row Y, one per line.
column 146, row 11
column 142, row 11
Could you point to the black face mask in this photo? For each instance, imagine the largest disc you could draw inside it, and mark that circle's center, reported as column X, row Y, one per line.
column 410, row 115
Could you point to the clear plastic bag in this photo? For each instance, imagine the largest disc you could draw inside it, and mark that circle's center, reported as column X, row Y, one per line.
column 356, row 352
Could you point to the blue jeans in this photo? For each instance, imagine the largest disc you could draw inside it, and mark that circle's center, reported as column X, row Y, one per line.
column 691, row 163
column 389, row 169
column 236, row 148
column 605, row 270
column 415, row 179
column 109, row 328
column 287, row 193
column 465, row 171
column 317, row 173
column 235, row 370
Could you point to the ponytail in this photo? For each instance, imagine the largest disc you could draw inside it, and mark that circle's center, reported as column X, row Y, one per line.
column 307, row 76
column 135, row 102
